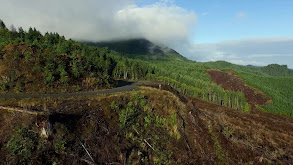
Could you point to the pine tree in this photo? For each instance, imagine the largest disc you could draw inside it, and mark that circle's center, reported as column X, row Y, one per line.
column 2, row 25
column 21, row 33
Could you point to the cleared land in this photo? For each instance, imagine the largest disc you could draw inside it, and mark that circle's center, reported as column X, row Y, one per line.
column 230, row 81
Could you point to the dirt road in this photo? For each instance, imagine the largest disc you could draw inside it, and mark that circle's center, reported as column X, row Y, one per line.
column 123, row 87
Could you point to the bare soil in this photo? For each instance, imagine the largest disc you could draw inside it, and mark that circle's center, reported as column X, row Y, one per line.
column 230, row 81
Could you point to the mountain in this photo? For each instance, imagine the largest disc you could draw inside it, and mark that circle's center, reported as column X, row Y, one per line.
column 140, row 49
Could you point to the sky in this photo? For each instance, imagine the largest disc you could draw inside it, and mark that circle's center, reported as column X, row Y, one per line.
column 242, row 32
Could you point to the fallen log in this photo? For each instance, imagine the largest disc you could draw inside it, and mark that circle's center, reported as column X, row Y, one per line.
column 20, row 110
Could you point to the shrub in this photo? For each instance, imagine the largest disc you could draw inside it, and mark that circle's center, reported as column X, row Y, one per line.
column 21, row 145
column 28, row 56
column 4, row 87
column 59, row 138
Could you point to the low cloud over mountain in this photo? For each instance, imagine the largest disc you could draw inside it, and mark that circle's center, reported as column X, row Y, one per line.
column 99, row 20
column 159, row 21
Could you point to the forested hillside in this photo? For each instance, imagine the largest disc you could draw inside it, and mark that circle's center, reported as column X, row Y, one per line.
column 50, row 62
column 274, row 80
column 191, row 79
column 278, row 88
column 187, row 76
column 32, row 62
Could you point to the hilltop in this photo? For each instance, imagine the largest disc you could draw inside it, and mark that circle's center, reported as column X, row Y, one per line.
column 140, row 49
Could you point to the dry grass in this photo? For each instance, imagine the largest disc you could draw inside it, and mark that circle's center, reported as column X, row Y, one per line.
column 258, row 137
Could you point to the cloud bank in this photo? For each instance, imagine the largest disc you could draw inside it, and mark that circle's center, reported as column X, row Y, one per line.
column 99, row 20
column 258, row 51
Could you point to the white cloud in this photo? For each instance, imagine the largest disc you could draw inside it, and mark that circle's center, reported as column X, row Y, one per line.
column 156, row 22
column 262, row 55
column 98, row 20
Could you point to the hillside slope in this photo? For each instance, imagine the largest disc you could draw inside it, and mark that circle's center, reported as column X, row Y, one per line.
column 68, row 66
column 190, row 78
column 273, row 80
column 146, row 126
column 30, row 69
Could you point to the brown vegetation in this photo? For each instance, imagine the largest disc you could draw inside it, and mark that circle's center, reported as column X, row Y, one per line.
column 203, row 133
column 229, row 81
column 258, row 137
column 221, row 135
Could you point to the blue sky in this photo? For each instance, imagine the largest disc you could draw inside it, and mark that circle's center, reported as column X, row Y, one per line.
column 230, row 19
column 225, row 20
column 220, row 20
column 257, row 32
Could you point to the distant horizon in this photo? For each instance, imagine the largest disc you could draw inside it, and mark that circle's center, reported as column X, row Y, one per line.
column 189, row 58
